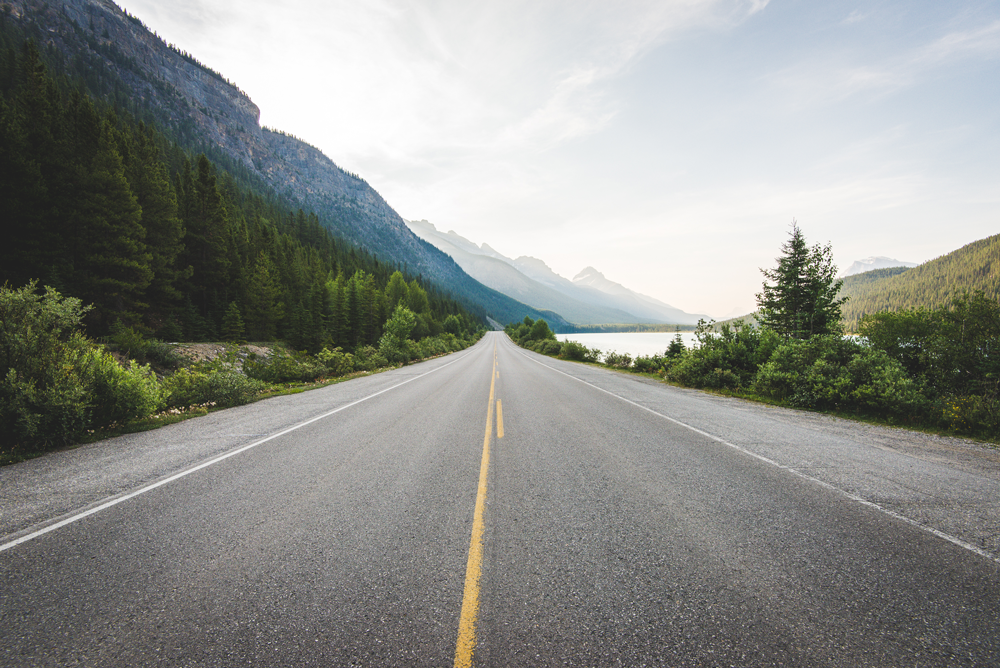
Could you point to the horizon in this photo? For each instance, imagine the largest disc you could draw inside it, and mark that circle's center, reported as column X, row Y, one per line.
column 667, row 145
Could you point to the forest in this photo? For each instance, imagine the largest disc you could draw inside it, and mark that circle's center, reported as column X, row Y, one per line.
column 117, row 239
column 975, row 266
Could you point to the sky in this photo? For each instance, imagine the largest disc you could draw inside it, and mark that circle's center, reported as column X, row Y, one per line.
column 669, row 144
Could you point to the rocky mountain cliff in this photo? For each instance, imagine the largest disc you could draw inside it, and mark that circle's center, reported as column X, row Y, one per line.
column 203, row 111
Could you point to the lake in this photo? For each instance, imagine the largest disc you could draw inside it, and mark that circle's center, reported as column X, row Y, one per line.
column 635, row 344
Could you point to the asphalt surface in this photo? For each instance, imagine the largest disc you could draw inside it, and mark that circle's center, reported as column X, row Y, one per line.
column 626, row 523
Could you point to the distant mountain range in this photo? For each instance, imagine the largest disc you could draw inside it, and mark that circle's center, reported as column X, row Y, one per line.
column 875, row 262
column 203, row 112
column 589, row 299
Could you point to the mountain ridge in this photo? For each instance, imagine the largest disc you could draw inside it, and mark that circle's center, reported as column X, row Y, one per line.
column 582, row 302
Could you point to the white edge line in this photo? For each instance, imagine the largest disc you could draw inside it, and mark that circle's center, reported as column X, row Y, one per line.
column 159, row 483
column 853, row 497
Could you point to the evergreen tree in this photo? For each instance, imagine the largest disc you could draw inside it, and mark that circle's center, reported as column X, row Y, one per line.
column 264, row 307
column 233, row 328
column 396, row 290
column 801, row 301
column 113, row 271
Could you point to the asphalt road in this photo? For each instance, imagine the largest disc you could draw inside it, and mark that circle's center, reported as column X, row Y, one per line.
column 622, row 522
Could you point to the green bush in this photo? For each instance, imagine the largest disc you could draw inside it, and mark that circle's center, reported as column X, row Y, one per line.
column 725, row 360
column 648, row 364
column 195, row 387
column 368, row 358
column 55, row 384
column 284, row 367
column 336, row 361
column 133, row 344
column 118, row 395
column 831, row 372
column 617, row 360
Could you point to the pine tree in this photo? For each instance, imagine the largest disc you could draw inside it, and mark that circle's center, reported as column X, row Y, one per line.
column 802, row 301
column 233, row 328
column 114, row 264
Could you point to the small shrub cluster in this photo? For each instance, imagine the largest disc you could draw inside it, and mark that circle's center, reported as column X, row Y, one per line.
column 55, row 384
column 208, row 385
column 282, row 366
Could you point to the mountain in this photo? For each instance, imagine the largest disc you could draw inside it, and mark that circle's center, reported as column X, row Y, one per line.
column 641, row 305
column 874, row 262
column 975, row 266
column 123, row 62
column 500, row 273
column 592, row 300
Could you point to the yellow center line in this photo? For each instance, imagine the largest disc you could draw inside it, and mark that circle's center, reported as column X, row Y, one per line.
column 499, row 419
column 470, row 599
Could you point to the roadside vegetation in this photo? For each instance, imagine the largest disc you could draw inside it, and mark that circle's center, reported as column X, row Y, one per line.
column 927, row 368
column 59, row 387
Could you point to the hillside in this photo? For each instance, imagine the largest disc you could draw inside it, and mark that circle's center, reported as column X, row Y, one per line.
column 975, row 266
column 120, row 60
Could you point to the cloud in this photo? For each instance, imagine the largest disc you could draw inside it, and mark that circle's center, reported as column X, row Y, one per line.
column 817, row 83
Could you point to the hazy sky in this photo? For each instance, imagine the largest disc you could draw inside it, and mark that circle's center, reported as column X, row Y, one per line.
column 669, row 144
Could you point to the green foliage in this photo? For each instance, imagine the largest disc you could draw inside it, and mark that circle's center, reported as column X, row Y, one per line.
column 208, row 385
column 727, row 359
column 617, row 360
column 540, row 331
column 284, row 367
column 392, row 345
column 133, row 344
column 336, row 361
column 55, row 383
column 117, row 394
column 801, row 300
column 368, row 358
column 573, row 350
column 833, row 372
column 233, row 328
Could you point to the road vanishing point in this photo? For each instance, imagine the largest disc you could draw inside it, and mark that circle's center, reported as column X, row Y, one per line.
column 494, row 507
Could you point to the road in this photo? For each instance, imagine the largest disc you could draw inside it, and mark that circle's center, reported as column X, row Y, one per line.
column 498, row 508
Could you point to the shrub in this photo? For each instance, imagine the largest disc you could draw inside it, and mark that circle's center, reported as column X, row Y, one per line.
column 728, row 359
column 548, row 346
column 226, row 387
column 650, row 364
column 368, row 358
column 118, row 394
column 43, row 397
column 133, row 344
column 571, row 350
column 831, row 372
column 617, row 360
column 284, row 367
column 336, row 361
